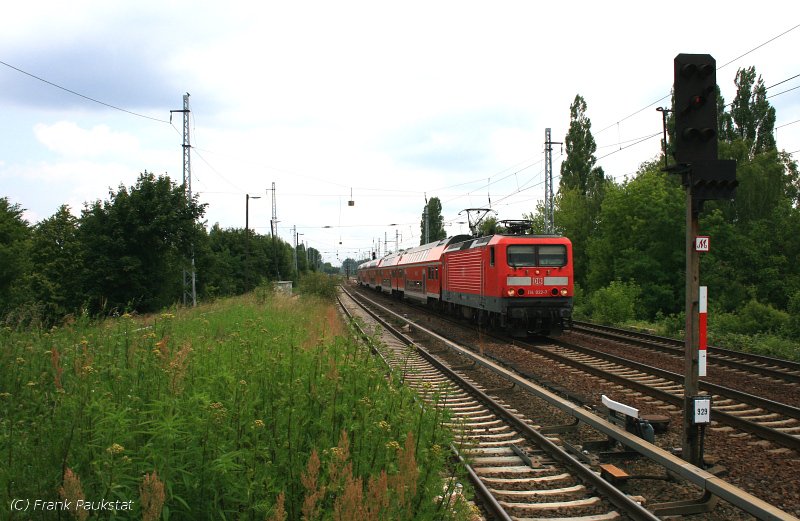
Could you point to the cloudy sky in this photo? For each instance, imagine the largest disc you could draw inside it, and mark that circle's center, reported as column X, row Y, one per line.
column 382, row 103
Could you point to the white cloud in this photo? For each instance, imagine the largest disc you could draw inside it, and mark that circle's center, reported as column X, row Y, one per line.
column 68, row 139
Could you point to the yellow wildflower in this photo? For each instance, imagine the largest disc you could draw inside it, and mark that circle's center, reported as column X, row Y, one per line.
column 115, row 448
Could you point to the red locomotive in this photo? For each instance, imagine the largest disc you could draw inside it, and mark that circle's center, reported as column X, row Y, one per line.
column 520, row 283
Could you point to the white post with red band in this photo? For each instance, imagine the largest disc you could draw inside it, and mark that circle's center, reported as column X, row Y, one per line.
column 703, row 323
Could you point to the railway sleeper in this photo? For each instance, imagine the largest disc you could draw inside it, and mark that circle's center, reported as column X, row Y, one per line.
column 462, row 424
column 728, row 408
column 608, row 516
column 496, row 461
column 532, row 494
column 760, row 418
column 577, row 504
column 504, row 436
column 504, row 471
column 779, row 423
column 554, row 480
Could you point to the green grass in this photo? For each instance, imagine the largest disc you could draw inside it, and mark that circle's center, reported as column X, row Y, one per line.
column 258, row 407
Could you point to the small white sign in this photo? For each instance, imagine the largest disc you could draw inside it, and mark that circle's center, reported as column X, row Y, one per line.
column 701, row 243
column 702, row 410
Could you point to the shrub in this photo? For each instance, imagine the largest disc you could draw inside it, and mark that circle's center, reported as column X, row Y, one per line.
column 616, row 303
column 753, row 318
column 671, row 325
column 318, row 284
column 581, row 308
column 792, row 326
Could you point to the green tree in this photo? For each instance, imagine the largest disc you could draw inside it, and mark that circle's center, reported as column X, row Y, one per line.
column 349, row 267
column 237, row 262
column 489, row 226
column 581, row 189
column 574, row 219
column 432, row 213
column 14, row 264
column 136, row 245
column 302, row 258
column 57, row 260
column 227, row 270
column 640, row 239
column 753, row 116
column 578, row 170
column 314, row 259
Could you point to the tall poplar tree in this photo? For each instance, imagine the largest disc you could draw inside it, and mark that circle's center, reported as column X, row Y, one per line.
column 753, row 116
column 435, row 220
column 578, row 170
column 581, row 188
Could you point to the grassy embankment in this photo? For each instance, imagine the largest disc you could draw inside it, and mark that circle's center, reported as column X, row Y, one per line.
column 257, row 407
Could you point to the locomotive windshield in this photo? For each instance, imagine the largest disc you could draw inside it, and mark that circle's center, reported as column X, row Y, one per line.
column 552, row 255
column 545, row 255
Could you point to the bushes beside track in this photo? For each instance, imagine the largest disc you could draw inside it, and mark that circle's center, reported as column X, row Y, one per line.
column 756, row 327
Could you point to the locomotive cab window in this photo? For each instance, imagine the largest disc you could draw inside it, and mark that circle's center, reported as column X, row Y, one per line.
column 552, row 255
column 544, row 255
column 521, row 255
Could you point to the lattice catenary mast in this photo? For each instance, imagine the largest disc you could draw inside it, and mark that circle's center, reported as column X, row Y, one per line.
column 189, row 281
column 549, row 214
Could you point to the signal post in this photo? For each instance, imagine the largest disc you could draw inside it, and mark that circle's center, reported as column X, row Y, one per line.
column 705, row 178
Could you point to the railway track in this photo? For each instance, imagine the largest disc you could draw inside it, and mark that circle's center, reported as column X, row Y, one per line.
column 767, row 419
column 732, row 409
column 519, row 472
column 511, row 364
column 765, row 366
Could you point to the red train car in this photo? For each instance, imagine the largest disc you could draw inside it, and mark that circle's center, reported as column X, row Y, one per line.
column 520, row 283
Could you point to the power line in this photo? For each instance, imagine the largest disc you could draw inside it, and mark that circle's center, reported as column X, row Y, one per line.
column 784, row 81
column 718, row 68
column 83, row 95
column 787, row 124
column 633, row 114
column 626, row 141
column 783, row 92
column 759, row 46
column 642, row 140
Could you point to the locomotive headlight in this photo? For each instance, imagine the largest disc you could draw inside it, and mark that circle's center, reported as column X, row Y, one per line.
column 510, row 292
column 563, row 292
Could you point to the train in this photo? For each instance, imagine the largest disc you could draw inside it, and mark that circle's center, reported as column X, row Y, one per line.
column 521, row 284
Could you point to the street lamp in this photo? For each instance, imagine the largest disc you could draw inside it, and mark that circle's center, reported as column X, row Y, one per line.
column 247, row 198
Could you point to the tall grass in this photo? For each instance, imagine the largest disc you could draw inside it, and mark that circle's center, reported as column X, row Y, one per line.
column 249, row 408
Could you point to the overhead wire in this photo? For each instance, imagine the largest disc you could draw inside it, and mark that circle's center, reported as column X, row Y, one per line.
column 759, row 46
column 65, row 89
column 718, row 68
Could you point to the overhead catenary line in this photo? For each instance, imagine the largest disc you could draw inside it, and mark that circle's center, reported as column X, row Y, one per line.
column 83, row 95
column 642, row 140
column 718, row 68
column 759, row 46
